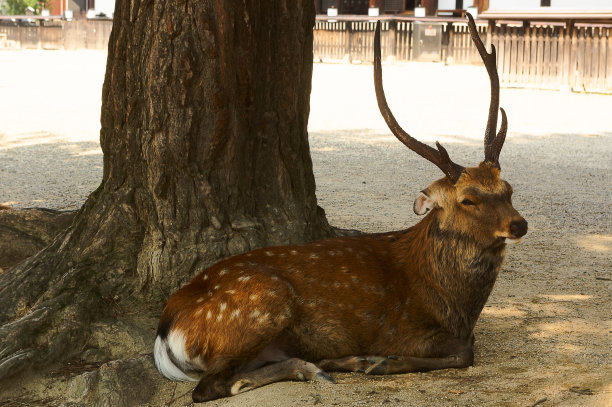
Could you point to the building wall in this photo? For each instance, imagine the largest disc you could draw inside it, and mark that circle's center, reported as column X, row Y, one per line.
column 554, row 4
column 582, row 4
column 452, row 4
column 80, row 7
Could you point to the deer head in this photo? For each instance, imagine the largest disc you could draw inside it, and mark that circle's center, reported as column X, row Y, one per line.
column 474, row 201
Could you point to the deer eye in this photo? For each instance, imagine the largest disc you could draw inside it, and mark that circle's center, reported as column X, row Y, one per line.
column 467, row 202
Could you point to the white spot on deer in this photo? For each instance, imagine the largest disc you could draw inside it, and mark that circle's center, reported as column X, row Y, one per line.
column 331, row 253
column 231, row 291
column 253, row 297
column 274, row 278
column 216, row 287
column 350, row 250
column 239, row 264
column 337, row 284
column 219, row 317
column 244, row 278
column 294, row 252
column 269, row 253
column 208, row 315
column 200, row 299
column 210, row 293
column 344, row 269
column 222, row 306
column 198, row 312
column 282, row 254
column 314, row 256
column 235, row 314
column 355, row 279
column 263, row 318
column 248, row 254
column 255, row 313
column 205, row 277
column 223, row 272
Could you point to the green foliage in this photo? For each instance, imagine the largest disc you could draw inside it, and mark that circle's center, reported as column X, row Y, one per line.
column 18, row 7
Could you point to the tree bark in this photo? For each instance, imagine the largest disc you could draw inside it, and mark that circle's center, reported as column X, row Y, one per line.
column 204, row 113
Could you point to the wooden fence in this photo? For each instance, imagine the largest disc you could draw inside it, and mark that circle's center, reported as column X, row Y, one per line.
column 543, row 56
column 546, row 56
column 58, row 34
column 351, row 39
column 555, row 56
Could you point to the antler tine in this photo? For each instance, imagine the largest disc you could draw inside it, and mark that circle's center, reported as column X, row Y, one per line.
column 490, row 62
column 438, row 157
column 498, row 143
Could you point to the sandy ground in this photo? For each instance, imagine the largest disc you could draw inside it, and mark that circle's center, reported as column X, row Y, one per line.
column 545, row 336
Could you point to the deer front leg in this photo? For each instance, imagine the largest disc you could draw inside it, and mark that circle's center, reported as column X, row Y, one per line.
column 460, row 356
column 290, row 369
column 350, row 363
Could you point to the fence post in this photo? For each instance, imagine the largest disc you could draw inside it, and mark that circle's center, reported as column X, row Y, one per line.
column 392, row 42
column 489, row 38
column 446, row 41
column 349, row 42
column 608, row 85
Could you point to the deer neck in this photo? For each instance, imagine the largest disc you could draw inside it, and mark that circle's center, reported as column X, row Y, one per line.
column 455, row 274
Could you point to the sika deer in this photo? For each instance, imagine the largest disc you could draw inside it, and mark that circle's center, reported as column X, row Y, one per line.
column 347, row 304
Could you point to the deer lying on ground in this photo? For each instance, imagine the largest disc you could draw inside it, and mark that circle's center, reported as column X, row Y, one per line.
column 388, row 303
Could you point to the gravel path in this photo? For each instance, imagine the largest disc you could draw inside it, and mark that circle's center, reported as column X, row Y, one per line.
column 546, row 331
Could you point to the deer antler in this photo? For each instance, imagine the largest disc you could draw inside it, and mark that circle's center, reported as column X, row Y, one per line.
column 492, row 144
column 438, row 157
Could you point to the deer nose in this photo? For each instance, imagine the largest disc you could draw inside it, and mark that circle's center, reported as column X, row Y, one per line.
column 518, row 228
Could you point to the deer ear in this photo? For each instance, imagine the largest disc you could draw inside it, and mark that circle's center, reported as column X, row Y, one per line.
column 423, row 203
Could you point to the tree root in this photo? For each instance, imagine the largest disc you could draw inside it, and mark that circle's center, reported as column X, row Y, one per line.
column 24, row 233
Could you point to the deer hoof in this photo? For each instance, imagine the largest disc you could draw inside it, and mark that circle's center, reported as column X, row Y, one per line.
column 323, row 377
column 241, row 386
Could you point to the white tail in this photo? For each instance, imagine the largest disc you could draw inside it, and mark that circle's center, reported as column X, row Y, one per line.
column 164, row 362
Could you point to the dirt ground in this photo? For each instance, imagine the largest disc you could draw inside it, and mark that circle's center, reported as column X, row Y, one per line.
column 545, row 335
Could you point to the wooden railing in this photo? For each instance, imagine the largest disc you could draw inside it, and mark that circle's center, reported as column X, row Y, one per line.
column 545, row 56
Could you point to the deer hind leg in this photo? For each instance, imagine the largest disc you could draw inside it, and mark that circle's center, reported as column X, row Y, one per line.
column 245, row 336
column 290, row 369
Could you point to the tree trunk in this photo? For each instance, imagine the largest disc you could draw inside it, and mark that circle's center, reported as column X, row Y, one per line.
column 204, row 113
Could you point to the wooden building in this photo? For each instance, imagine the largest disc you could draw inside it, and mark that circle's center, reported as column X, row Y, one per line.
column 404, row 7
